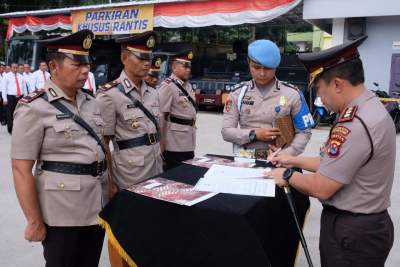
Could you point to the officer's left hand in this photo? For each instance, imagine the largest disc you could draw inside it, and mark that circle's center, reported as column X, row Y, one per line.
column 35, row 231
column 277, row 175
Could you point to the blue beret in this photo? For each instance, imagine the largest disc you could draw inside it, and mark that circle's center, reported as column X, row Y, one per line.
column 265, row 53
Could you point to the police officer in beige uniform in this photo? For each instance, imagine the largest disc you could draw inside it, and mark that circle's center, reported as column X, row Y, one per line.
column 62, row 199
column 255, row 105
column 354, row 174
column 131, row 111
column 177, row 101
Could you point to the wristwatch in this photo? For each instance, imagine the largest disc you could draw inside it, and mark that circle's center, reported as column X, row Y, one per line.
column 252, row 135
column 287, row 174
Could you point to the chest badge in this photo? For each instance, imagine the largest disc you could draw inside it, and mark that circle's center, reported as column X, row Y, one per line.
column 135, row 123
column 183, row 101
column 283, row 101
column 67, row 133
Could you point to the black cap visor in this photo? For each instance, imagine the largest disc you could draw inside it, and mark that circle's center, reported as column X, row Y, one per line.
column 141, row 55
column 82, row 59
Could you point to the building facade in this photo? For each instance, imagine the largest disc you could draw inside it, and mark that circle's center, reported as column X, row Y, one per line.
column 380, row 20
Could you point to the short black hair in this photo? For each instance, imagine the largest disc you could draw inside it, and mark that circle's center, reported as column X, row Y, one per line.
column 351, row 71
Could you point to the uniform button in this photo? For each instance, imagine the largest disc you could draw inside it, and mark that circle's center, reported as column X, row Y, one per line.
column 67, row 128
column 61, row 185
column 130, row 161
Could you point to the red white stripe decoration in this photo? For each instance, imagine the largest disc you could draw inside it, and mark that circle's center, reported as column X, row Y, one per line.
column 36, row 24
column 219, row 12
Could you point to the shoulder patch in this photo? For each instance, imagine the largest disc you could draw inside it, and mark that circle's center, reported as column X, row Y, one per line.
column 107, row 86
column 32, row 96
column 336, row 139
column 348, row 114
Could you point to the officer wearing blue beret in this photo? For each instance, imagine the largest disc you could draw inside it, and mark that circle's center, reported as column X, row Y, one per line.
column 265, row 114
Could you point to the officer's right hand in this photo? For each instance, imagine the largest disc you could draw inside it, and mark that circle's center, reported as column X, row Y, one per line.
column 282, row 160
column 35, row 231
column 267, row 134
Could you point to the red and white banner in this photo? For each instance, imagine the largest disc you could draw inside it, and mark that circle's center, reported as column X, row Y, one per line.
column 219, row 12
column 179, row 14
column 35, row 24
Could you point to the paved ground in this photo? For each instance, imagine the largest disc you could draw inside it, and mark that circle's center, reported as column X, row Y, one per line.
column 15, row 251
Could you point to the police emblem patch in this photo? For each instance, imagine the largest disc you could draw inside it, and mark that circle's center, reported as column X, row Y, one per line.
column 333, row 149
column 336, row 140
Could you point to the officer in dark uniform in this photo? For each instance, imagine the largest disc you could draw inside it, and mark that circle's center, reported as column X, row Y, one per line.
column 59, row 131
column 354, row 174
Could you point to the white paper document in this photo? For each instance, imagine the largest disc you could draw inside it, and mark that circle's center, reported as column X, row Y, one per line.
column 237, row 180
column 220, row 171
column 252, row 186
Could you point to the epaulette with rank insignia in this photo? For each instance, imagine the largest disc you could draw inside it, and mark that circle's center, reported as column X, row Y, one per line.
column 167, row 81
column 290, row 85
column 237, row 86
column 109, row 85
column 87, row 91
column 32, row 96
column 348, row 114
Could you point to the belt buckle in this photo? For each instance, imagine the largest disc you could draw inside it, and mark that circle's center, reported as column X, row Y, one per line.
column 99, row 168
column 152, row 139
column 194, row 123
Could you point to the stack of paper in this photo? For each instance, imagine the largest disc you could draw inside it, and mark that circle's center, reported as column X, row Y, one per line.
column 237, row 180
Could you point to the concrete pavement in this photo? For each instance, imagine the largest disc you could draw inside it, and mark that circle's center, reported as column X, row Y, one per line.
column 15, row 251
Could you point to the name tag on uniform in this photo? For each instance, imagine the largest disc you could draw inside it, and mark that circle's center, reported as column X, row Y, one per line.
column 246, row 102
column 63, row 116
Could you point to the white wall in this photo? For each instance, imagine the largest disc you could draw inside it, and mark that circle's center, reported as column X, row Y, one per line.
column 320, row 9
column 376, row 52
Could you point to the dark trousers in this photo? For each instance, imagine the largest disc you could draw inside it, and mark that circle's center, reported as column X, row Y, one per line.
column 174, row 159
column 3, row 119
column 73, row 246
column 12, row 101
column 355, row 240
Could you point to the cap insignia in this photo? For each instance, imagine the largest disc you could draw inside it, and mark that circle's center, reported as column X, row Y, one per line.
column 151, row 42
column 87, row 42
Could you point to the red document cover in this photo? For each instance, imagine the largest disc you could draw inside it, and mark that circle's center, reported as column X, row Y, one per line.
column 170, row 191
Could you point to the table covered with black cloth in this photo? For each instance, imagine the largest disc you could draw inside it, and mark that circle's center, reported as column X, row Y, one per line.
column 225, row 230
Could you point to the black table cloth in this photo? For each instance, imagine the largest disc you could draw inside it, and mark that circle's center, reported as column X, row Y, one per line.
column 225, row 230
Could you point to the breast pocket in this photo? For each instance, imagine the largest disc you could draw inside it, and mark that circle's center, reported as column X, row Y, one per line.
column 63, row 184
column 67, row 130
column 179, row 127
column 97, row 123
column 133, row 117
